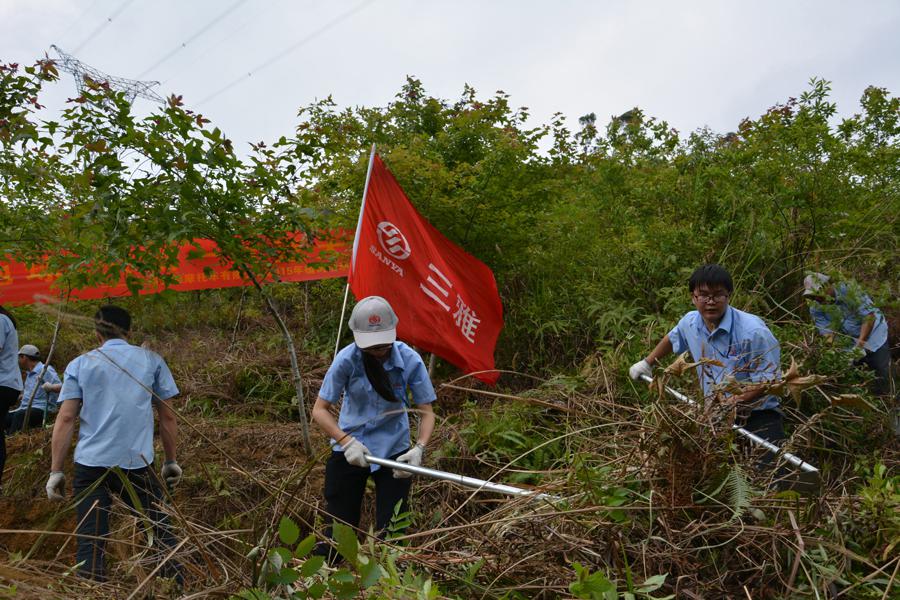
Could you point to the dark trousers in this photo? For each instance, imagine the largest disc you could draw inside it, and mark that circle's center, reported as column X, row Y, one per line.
column 880, row 362
column 94, row 487
column 8, row 397
column 345, row 486
column 15, row 421
column 769, row 425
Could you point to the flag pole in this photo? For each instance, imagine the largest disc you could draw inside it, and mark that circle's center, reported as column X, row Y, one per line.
column 359, row 221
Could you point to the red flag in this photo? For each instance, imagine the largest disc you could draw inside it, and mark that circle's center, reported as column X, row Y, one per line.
column 445, row 298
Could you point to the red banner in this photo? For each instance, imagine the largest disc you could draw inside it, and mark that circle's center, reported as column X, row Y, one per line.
column 199, row 268
column 445, row 298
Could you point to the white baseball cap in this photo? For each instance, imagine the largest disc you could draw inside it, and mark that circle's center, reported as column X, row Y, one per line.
column 814, row 283
column 373, row 322
column 30, row 350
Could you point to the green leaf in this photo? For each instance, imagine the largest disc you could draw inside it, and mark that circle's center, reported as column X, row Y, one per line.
column 342, row 576
column 651, row 584
column 280, row 556
column 317, row 590
column 370, row 573
column 347, row 545
column 288, row 531
column 312, row 565
column 285, row 576
column 304, row 547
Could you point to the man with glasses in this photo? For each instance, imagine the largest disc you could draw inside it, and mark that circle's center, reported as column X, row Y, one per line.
column 729, row 343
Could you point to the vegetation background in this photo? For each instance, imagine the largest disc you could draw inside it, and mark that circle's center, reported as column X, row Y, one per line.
column 591, row 232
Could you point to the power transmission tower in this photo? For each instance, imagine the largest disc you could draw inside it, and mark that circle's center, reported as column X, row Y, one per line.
column 131, row 87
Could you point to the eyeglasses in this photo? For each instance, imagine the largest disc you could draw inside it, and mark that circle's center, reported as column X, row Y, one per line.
column 705, row 298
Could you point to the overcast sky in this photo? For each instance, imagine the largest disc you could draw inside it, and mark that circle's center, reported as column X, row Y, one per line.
column 693, row 64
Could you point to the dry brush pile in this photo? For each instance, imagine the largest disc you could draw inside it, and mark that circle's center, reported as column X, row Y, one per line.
column 657, row 498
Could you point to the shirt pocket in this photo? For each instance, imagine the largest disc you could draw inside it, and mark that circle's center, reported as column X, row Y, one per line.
column 360, row 392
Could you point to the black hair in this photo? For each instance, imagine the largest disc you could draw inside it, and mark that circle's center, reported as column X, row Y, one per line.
column 112, row 322
column 378, row 377
column 3, row 311
column 710, row 275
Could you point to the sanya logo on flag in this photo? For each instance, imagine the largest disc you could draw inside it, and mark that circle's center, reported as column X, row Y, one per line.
column 393, row 241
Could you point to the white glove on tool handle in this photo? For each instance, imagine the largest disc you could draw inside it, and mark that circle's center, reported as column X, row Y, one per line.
column 56, row 486
column 640, row 368
column 412, row 457
column 355, row 452
column 171, row 472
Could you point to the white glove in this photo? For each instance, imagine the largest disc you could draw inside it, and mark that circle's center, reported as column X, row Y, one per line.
column 56, row 486
column 355, row 452
column 412, row 457
column 640, row 368
column 48, row 387
column 171, row 472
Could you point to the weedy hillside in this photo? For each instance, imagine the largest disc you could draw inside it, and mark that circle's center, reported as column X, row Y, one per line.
column 591, row 234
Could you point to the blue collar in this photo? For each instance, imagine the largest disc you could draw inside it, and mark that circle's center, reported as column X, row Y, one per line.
column 726, row 324
column 114, row 342
column 37, row 368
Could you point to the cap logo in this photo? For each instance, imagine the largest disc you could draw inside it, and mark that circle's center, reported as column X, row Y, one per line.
column 393, row 241
column 374, row 320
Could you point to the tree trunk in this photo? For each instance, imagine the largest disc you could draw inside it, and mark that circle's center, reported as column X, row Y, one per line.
column 41, row 376
column 295, row 365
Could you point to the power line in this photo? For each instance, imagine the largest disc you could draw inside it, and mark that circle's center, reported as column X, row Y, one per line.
column 270, row 61
column 228, row 36
column 197, row 34
column 76, row 22
column 102, row 26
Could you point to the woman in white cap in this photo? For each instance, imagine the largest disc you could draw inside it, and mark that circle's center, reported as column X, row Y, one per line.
column 10, row 376
column 378, row 376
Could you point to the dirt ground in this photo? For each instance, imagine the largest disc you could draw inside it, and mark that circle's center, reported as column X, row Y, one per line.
column 223, row 465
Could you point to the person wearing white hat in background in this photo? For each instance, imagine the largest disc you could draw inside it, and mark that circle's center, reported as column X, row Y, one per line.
column 843, row 309
column 377, row 376
column 40, row 387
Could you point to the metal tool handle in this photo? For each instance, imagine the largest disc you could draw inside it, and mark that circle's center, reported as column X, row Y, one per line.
column 470, row 482
column 791, row 458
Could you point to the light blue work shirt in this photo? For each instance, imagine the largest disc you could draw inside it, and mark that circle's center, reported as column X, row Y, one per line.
column 10, row 376
column 114, row 383
column 847, row 313
column 742, row 343
column 40, row 396
column 382, row 426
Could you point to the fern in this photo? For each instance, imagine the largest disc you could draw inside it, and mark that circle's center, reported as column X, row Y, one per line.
column 738, row 491
column 734, row 491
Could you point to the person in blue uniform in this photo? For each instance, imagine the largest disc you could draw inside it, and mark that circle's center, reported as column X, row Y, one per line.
column 41, row 383
column 842, row 309
column 738, row 345
column 10, row 376
column 111, row 392
column 381, row 380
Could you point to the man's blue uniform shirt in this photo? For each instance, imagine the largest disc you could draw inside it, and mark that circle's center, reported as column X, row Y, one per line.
column 382, row 426
column 114, row 383
column 10, row 376
column 741, row 342
column 851, row 314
